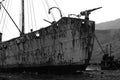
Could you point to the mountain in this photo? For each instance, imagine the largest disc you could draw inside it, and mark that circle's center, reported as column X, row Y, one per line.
column 107, row 33
column 114, row 24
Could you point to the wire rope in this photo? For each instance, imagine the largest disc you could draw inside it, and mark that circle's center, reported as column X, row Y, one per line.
column 31, row 14
column 9, row 30
column 2, row 12
column 34, row 17
column 4, row 21
column 46, row 12
column 28, row 15
column 48, row 8
column 2, row 16
column 58, row 7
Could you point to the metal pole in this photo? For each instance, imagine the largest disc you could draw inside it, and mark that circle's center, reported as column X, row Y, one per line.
column 10, row 17
column 23, row 22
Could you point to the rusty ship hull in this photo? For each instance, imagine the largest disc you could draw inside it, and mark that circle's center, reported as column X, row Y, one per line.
column 65, row 45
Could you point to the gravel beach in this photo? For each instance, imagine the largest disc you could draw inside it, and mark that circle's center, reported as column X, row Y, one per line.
column 86, row 75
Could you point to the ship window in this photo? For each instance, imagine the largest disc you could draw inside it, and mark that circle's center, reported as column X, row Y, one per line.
column 83, row 22
column 37, row 34
column 57, row 24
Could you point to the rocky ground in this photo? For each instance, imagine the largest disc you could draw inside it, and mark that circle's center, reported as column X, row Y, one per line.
column 87, row 75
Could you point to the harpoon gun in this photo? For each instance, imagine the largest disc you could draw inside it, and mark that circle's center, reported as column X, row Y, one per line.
column 87, row 12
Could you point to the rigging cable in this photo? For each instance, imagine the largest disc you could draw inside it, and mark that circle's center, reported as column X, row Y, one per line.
column 99, row 44
column 46, row 12
column 34, row 14
column 31, row 14
column 58, row 7
column 28, row 16
column 4, row 20
column 9, row 31
column 48, row 8
column 2, row 13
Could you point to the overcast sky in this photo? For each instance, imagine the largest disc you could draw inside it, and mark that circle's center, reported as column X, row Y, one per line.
column 110, row 11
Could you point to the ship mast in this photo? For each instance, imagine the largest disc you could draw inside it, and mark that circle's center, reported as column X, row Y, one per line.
column 23, row 22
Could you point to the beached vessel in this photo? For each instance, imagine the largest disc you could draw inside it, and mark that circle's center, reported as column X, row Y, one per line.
column 65, row 45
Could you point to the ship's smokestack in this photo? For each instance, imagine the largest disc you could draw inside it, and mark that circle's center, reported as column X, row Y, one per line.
column 0, row 37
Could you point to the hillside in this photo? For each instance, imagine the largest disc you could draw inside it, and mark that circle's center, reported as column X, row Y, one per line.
column 110, row 34
column 114, row 24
